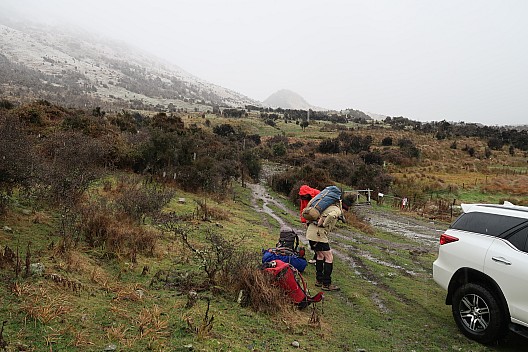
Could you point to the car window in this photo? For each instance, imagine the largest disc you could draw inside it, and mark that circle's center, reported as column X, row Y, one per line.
column 485, row 223
column 518, row 239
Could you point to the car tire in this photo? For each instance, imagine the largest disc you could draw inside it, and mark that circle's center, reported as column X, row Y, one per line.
column 478, row 314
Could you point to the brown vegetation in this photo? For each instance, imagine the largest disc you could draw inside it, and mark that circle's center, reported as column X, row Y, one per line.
column 103, row 231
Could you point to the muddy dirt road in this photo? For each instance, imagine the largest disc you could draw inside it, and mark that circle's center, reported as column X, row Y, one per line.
column 415, row 235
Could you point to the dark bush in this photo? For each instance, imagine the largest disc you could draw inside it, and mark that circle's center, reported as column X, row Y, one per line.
column 279, row 149
column 487, row 153
column 339, row 168
column 405, row 143
column 329, row 146
column 372, row 177
column 236, row 113
column 86, row 124
column 495, row 143
column 354, row 144
column 314, row 176
column 387, row 141
column 138, row 199
column 251, row 163
column 42, row 113
column 291, row 180
column 224, row 130
column 17, row 158
column 6, row 104
column 167, row 123
column 16, row 153
column 32, row 116
column 127, row 122
column 372, row 158
column 283, row 183
column 270, row 122
column 208, row 174
column 72, row 161
column 254, row 138
column 164, row 150
column 396, row 157
column 440, row 135
column 408, row 148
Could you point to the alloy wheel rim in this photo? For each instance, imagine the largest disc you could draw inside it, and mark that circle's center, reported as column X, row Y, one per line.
column 474, row 312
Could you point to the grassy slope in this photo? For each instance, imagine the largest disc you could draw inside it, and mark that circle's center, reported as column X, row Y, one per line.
column 391, row 312
column 116, row 304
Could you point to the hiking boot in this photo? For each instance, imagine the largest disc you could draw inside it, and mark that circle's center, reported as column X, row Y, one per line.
column 318, row 283
column 331, row 288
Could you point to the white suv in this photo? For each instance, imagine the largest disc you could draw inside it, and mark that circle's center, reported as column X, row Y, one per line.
column 483, row 264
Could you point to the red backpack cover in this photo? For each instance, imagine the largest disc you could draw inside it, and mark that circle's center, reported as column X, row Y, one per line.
column 306, row 193
column 286, row 274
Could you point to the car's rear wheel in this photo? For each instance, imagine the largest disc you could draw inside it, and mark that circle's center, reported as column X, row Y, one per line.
column 478, row 313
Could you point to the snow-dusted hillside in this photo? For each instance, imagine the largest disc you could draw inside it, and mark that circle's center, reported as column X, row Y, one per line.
column 77, row 67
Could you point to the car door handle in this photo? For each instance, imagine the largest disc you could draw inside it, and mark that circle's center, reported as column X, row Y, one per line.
column 501, row 260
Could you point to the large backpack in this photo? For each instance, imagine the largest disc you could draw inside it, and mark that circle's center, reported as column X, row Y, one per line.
column 320, row 202
column 288, row 238
column 306, row 193
column 287, row 249
column 292, row 282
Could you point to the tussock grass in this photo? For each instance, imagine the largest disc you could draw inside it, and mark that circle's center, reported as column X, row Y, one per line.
column 255, row 288
column 513, row 185
column 358, row 222
column 44, row 303
column 115, row 232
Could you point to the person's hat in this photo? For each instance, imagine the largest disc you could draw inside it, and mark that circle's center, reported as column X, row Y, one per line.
column 346, row 203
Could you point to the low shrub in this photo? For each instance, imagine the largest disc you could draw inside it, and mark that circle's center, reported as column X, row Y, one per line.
column 115, row 232
column 243, row 277
column 289, row 182
column 139, row 199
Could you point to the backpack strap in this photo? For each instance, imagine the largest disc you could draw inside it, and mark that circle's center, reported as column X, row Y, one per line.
column 298, row 274
column 296, row 242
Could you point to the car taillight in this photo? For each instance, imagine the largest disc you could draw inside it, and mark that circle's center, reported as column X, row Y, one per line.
column 445, row 239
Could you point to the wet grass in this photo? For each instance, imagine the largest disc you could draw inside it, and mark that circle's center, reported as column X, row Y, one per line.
column 382, row 309
column 407, row 312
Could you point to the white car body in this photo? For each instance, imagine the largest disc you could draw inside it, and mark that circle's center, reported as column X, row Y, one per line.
column 489, row 260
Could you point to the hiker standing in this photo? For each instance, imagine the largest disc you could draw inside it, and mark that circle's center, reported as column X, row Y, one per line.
column 306, row 193
column 317, row 235
column 404, row 203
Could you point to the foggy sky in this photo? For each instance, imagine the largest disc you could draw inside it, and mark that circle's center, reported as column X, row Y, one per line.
column 426, row 60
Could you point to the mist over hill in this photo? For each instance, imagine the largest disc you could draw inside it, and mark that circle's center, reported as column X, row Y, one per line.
column 76, row 68
column 288, row 99
column 377, row 117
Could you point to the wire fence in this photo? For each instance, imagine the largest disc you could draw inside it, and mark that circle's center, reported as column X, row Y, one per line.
column 431, row 206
